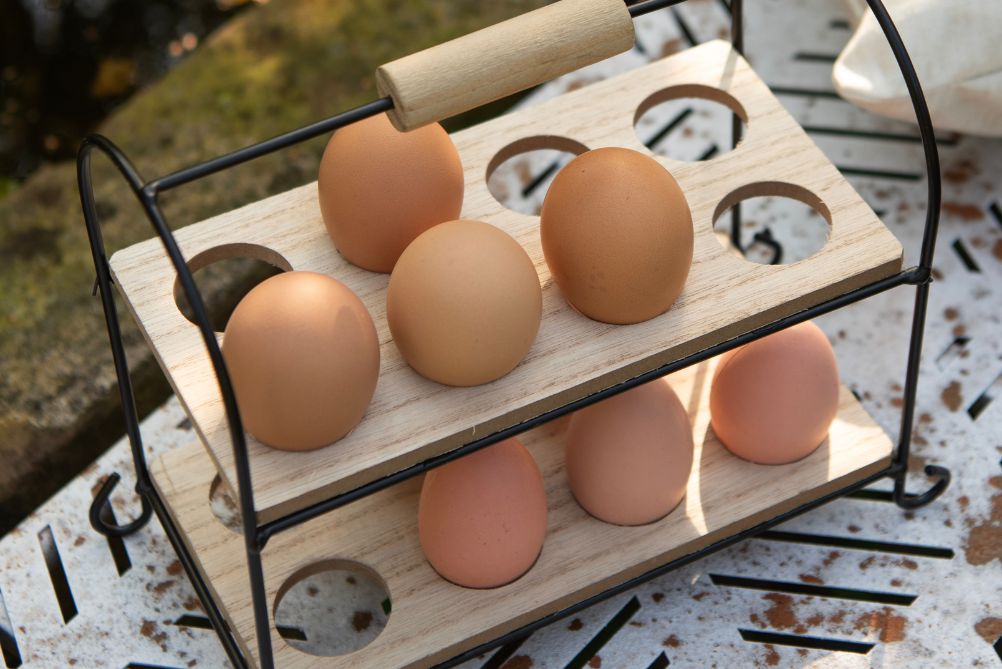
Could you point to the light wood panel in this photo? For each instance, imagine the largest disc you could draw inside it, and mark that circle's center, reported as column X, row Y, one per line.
column 432, row 619
column 411, row 418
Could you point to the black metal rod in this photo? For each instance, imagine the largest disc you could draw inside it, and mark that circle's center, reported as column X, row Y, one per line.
column 230, row 646
column 738, row 44
column 86, row 187
column 147, row 198
column 267, row 530
column 285, row 140
column 641, row 8
column 934, row 194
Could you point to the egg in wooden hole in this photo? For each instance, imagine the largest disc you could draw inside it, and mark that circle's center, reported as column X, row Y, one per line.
column 617, row 235
column 379, row 188
column 482, row 517
column 464, row 303
column 773, row 401
column 629, row 457
column 303, row 357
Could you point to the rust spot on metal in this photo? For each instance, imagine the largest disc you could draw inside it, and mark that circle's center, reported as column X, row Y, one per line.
column 595, row 662
column 990, row 629
column 950, row 314
column 518, row 662
column 671, row 642
column 984, row 541
column 361, row 620
column 672, row 46
column 772, row 656
column 951, row 396
column 575, row 625
column 890, row 625
column 811, row 578
column 174, row 568
column 965, row 212
column 780, row 615
column 908, row 563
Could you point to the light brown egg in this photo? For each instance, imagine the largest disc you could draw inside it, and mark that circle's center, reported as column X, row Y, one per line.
column 464, row 303
column 303, row 356
column 617, row 235
column 772, row 401
column 482, row 518
column 629, row 456
column 380, row 188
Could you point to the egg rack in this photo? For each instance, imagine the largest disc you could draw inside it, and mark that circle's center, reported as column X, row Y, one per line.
column 727, row 302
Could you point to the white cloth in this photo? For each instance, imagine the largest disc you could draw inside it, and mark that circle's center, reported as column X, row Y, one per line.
column 956, row 46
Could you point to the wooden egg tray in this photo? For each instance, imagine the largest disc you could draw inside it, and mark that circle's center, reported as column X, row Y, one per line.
column 411, row 418
column 433, row 620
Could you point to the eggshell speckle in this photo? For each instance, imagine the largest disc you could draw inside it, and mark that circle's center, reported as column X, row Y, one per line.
column 303, row 356
column 772, row 401
column 464, row 303
column 617, row 235
column 482, row 518
column 629, row 456
column 380, row 188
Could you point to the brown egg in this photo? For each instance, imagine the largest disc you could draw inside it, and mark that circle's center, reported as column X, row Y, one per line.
column 380, row 188
column 629, row 456
column 482, row 518
column 303, row 356
column 464, row 303
column 617, row 235
column 773, row 400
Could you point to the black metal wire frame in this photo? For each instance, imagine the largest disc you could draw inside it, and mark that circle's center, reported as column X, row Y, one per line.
column 256, row 536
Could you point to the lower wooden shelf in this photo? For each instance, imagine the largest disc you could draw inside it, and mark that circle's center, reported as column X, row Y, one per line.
column 433, row 620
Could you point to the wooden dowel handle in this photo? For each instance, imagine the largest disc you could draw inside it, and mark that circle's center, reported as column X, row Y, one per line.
column 502, row 59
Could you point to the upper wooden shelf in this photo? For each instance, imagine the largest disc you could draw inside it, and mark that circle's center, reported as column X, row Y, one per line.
column 410, row 418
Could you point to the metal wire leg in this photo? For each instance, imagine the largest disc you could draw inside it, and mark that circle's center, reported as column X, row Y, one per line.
column 101, row 499
column 907, row 500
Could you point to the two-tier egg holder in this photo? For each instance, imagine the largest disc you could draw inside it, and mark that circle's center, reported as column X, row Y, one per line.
column 298, row 504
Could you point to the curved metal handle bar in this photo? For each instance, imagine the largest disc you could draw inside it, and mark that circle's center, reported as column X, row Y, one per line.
column 98, row 505
column 934, row 185
column 147, row 198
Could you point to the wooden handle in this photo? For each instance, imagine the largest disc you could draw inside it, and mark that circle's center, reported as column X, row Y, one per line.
column 502, row 59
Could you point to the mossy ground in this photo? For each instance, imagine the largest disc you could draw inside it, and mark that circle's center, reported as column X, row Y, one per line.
column 271, row 69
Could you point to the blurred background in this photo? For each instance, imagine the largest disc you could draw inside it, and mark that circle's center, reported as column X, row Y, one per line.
column 172, row 82
column 67, row 65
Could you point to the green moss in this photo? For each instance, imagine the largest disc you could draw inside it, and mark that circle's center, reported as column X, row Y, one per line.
column 270, row 70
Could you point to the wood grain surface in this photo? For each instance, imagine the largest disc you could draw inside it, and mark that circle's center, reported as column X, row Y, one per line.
column 432, row 619
column 412, row 418
column 502, row 59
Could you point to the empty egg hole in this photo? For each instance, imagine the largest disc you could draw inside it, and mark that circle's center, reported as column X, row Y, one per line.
column 519, row 175
column 688, row 123
column 779, row 223
column 224, row 505
column 339, row 606
column 223, row 275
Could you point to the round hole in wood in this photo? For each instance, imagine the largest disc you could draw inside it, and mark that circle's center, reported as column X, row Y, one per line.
column 519, row 175
column 776, row 218
column 689, row 123
column 224, row 274
column 224, row 506
column 332, row 607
